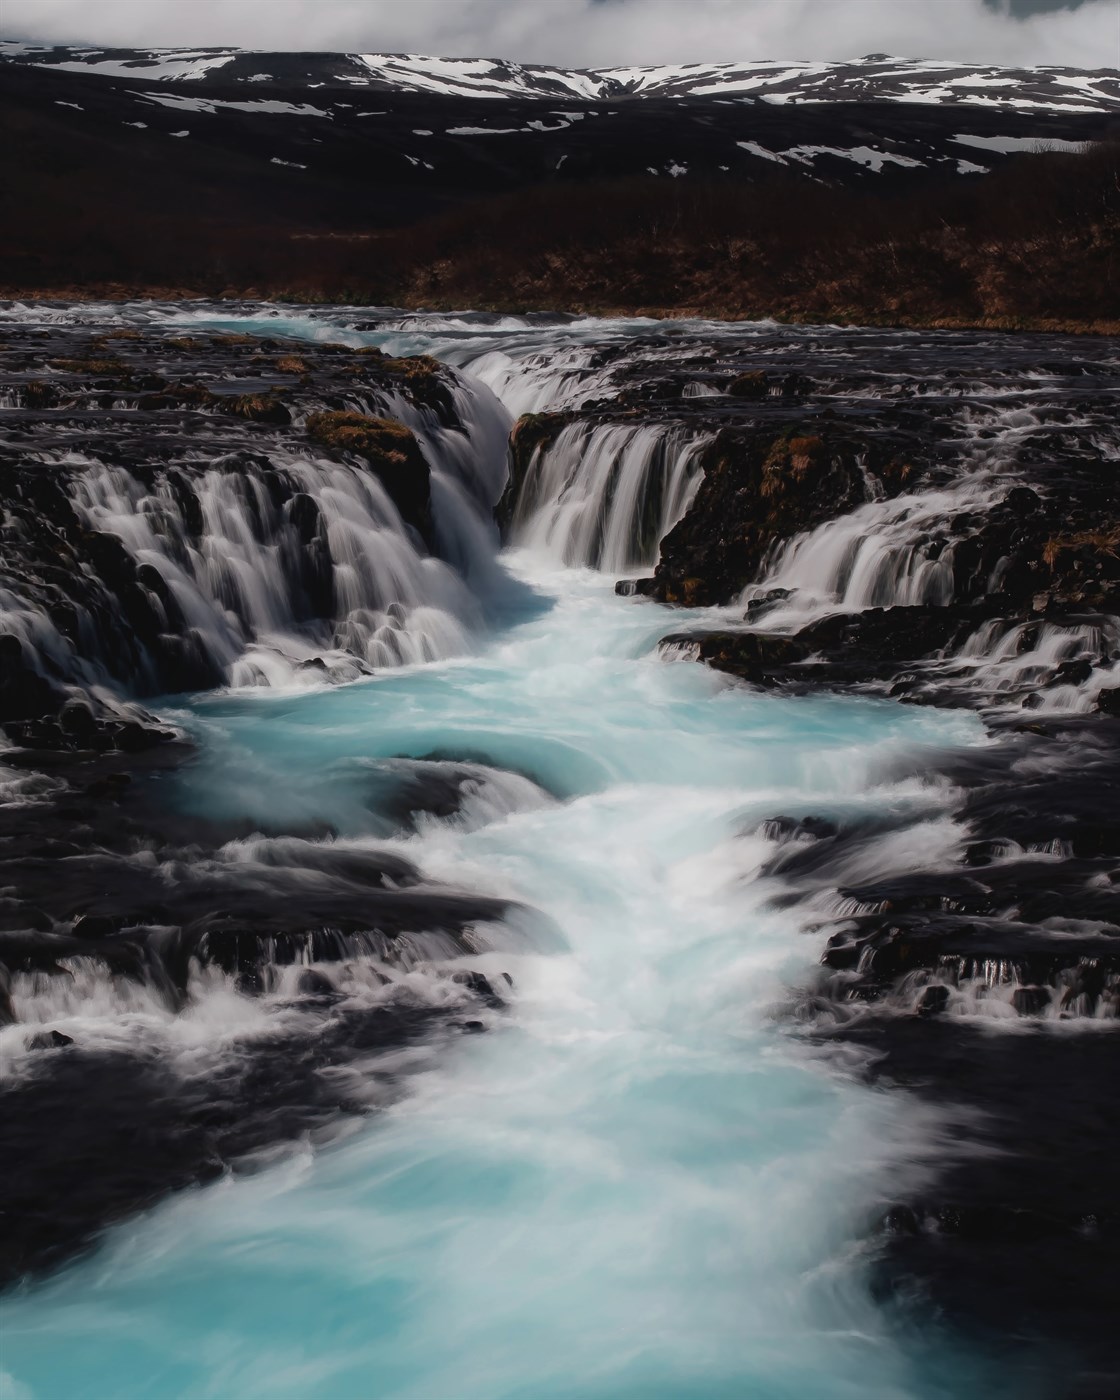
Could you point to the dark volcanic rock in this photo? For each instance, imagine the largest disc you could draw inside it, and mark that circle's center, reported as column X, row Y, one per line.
column 841, row 650
column 758, row 489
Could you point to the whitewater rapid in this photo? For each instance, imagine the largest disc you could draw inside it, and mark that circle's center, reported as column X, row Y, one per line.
column 636, row 1183
column 641, row 1181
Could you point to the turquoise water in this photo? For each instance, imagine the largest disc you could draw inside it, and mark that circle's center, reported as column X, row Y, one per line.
column 639, row 1185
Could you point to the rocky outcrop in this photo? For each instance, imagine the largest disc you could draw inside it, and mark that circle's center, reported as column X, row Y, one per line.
column 758, row 489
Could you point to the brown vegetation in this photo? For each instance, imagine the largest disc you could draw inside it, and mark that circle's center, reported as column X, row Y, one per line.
column 1103, row 541
column 390, row 449
column 1033, row 245
column 381, row 438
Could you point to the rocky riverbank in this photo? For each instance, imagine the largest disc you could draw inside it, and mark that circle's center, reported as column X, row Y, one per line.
column 168, row 500
column 887, row 533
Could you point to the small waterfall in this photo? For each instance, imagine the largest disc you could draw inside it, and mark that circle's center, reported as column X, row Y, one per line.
column 606, row 494
column 468, row 463
column 541, row 381
column 1055, row 667
column 268, row 563
column 264, row 569
column 43, row 647
column 887, row 553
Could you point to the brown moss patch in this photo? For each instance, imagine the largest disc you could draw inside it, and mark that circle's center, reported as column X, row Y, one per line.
column 788, row 463
column 38, row 394
column 382, row 438
column 1059, row 550
column 390, row 449
column 753, row 385
column 90, row 366
column 257, row 408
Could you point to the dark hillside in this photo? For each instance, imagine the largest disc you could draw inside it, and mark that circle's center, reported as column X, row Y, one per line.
column 839, row 210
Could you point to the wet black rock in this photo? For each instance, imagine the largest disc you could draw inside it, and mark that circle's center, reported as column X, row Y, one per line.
column 94, row 926
column 481, row 987
column 312, row 983
column 49, row 1040
column 933, row 1000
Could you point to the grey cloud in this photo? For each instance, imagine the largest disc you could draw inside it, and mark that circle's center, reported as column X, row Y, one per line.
column 597, row 33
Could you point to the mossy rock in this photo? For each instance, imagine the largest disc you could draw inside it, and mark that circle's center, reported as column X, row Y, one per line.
column 391, row 449
column 759, row 489
column 257, row 408
column 37, row 394
column 177, row 396
column 91, row 366
column 292, row 364
column 753, row 385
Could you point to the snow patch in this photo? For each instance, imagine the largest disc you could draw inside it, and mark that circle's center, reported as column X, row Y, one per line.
column 482, row 131
column 210, row 105
column 1007, row 145
column 756, row 150
column 862, row 155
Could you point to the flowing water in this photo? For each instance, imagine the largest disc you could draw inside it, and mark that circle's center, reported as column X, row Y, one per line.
column 636, row 1184
column 639, row 1183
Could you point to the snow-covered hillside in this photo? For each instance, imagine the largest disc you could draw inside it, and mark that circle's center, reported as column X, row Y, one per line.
column 874, row 78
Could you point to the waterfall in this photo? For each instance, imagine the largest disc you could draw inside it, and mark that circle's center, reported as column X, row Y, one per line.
column 1052, row 664
column 266, row 579
column 269, row 563
column 887, row 553
column 606, row 494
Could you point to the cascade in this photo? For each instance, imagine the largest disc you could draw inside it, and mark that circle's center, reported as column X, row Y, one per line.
column 245, row 577
column 886, row 553
column 605, row 494
column 627, row 873
column 278, row 565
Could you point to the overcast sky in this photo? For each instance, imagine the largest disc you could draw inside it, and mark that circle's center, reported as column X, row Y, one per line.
column 599, row 33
